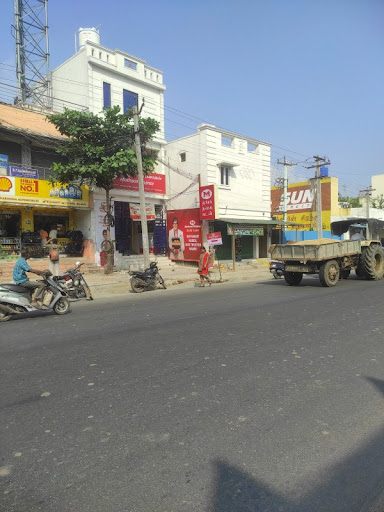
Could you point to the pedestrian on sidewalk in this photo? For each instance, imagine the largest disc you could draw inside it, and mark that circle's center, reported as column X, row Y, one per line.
column 203, row 267
column 54, row 255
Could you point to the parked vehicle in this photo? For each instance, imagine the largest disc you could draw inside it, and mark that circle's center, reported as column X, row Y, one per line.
column 15, row 299
column 276, row 268
column 74, row 284
column 330, row 259
column 147, row 280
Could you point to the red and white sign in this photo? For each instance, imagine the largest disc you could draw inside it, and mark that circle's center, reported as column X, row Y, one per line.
column 135, row 211
column 184, row 234
column 153, row 183
column 214, row 238
column 207, row 202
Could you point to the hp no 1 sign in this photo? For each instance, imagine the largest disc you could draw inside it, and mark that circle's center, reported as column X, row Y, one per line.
column 207, row 202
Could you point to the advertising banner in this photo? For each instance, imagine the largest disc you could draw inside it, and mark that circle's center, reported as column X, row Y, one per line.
column 3, row 165
column 153, row 183
column 301, row 204
column 41, row 192
column 135, row 211
column 246, row 230
column 214, row 238
column 184, row 234
column 207, row 202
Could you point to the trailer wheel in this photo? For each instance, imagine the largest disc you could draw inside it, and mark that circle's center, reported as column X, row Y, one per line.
column 373, row 262
column 293, row 278
column 329, row 273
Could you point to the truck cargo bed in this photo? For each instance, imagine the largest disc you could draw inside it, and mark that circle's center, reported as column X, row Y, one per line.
column 316, row 250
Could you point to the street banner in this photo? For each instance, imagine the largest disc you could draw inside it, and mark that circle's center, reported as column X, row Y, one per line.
column 207, row 202
column 184, row 234
column 153, row 183
column 135, row 211
column 214, row 238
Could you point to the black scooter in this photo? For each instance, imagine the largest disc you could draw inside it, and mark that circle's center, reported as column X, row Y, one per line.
column 147, row 280
column 276, row 268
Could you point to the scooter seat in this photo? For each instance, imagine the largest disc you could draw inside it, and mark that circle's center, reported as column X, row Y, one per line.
column 18, row 288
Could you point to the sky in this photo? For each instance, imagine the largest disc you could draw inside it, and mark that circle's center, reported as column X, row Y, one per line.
column 306, row 76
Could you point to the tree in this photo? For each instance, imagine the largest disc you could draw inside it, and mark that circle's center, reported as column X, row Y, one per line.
column 99, row 149
column 353, row 202
column 378, row 202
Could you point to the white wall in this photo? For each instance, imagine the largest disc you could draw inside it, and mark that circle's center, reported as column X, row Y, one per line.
column 377, row 184
column 248, row 194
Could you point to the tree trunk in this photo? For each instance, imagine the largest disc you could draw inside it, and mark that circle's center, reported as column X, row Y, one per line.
column 109, row 253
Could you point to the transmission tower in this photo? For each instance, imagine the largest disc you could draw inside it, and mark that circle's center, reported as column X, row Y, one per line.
column 32, row 52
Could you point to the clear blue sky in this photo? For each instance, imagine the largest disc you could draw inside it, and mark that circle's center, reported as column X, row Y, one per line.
column 307, row 76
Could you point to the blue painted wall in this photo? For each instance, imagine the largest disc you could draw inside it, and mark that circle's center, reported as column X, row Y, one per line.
column 290, row 236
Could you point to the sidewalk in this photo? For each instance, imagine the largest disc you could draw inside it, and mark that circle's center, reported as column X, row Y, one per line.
column 179, row 276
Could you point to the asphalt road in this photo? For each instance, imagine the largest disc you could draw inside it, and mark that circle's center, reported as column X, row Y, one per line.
column 251, row 397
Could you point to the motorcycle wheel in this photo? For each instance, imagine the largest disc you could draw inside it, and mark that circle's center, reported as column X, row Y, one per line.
column 80, row 292
column 62, row 306
column 136, row 285
column 161, row 281
column 4, row 315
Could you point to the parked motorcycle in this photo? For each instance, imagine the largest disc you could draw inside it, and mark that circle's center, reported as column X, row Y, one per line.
column 15, row 299
column 147, row 280
column 73, row 283
column 277, row 269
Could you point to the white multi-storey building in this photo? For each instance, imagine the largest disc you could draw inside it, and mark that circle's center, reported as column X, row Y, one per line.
column 239, row 166
column 95, row 78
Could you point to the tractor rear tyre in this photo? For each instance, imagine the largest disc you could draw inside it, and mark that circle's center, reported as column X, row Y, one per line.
column 373, row 262
column 329, row 273
column 293, row 278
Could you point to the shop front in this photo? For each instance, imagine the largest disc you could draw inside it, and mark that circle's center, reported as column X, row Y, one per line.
column 30, row 205
column 126, row 230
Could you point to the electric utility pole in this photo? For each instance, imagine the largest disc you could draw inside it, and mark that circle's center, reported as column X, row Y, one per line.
column 319, row 208
column 367, row 194
column 285, row 188
column 144, row 225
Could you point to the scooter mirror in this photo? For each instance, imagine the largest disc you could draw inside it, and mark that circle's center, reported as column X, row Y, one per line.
column 77, row 263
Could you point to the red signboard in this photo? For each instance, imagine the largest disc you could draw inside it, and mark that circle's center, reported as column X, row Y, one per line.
column 153, row 183
column 184, row 234
column 207, row 202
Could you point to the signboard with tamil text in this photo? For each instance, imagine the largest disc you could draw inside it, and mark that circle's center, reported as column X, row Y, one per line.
column 245, row 230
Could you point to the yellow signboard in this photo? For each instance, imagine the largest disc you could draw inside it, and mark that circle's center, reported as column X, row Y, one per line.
column 307, row 220
column 40, row 192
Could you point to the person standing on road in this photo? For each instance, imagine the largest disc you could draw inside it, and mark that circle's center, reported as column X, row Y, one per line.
column 20, row 277
column 54, row 256
column 203, row 267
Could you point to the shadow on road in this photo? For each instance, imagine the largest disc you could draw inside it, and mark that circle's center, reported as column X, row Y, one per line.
column 352, row 485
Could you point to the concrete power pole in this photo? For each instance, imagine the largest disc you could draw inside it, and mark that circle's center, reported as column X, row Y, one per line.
column 319, row 208
column 367, row 193
column 144, row 225
column 285, row 187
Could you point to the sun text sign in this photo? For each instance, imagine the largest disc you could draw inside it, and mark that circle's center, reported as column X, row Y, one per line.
column 207, row 202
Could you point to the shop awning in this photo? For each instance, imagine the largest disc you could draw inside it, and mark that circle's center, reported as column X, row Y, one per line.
column 260, row 222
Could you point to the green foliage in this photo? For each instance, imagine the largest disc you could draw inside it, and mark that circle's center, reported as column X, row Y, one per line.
column 100, row 148
column 378, row 202
column 354, row 202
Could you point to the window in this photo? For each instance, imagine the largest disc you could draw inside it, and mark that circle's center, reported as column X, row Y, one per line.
column 129, row 100
column 106, row 95
column 183, row 157
column 130, row 64
column 100, row 55
column 107, row 57
column 226, row 141
column 251, row 147
column 224, row 176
